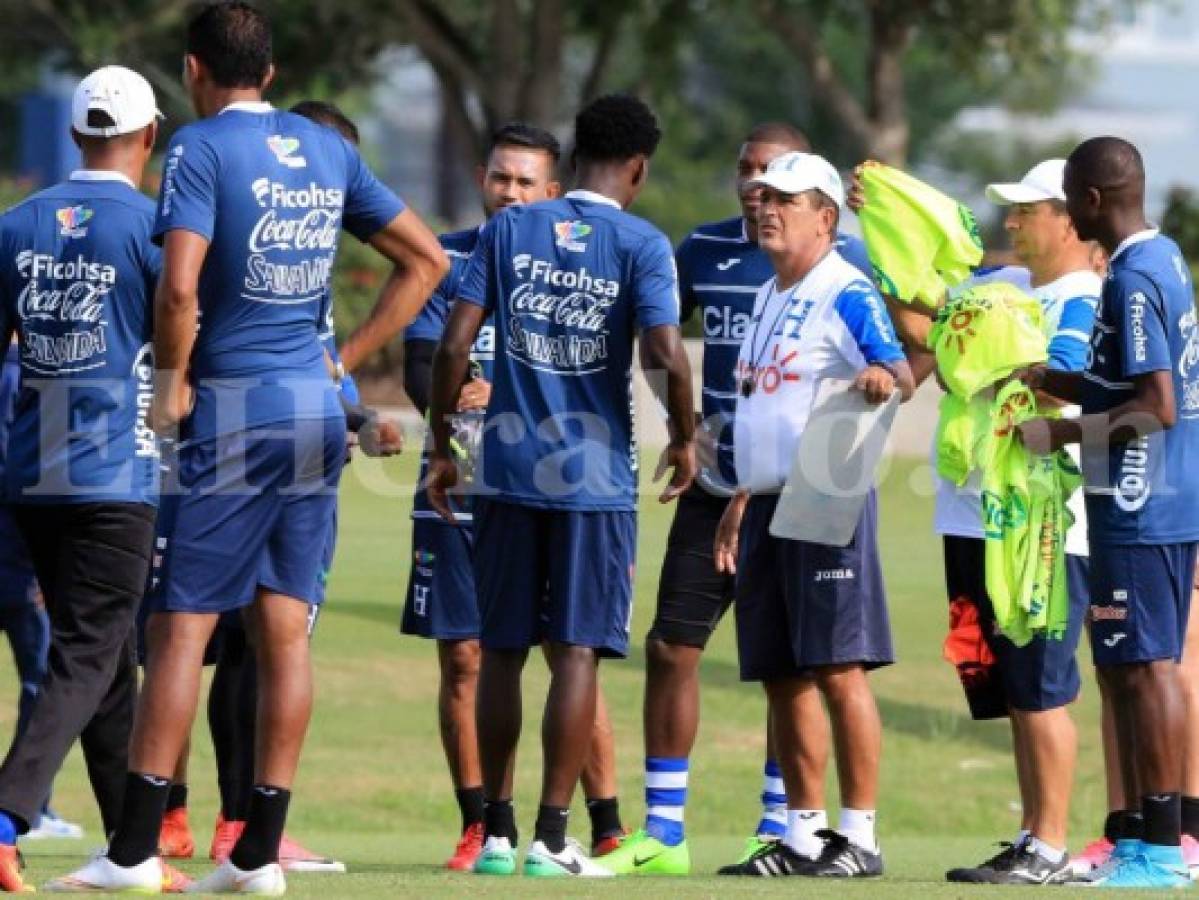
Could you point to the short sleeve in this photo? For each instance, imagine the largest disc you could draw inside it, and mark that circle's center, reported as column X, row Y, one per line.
column 655, row 287
column 188, row 197
column 688, row 301
column 370, row 205
column 853, row 251
column 1070, row 345
column 869, row 324
column 477, row 285
column 1137, row 313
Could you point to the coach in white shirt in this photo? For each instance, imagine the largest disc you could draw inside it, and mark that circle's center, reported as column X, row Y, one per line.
column 809, row 616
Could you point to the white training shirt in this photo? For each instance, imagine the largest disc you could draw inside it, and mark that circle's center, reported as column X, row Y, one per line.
column 830, row 324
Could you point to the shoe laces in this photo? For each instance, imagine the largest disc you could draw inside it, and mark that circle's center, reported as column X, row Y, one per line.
column 1004, row 858
column 835, row 843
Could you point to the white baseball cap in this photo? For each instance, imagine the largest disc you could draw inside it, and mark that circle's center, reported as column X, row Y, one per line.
column 1042, row 182
column 795, row 172
column 122, row 94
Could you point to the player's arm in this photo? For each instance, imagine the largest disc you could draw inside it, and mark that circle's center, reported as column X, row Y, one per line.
column 451, row 361
column 420, row 264
column 418, row 372
column 662, row 351
column 176, row 305
column 1150, row 409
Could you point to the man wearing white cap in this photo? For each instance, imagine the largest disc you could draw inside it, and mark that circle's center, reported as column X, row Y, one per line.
column 1037, row 682
column 810, row 617
column 77, row 277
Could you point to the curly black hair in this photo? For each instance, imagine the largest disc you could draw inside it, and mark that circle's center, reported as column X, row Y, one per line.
column 615, row 128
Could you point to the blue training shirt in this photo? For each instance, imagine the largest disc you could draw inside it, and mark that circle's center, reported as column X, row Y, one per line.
column 77, row 284
column 569, row 283
column 720, row 271
column 429, row 325
column 1146, row 491
column 16, row 568
column 271, row 191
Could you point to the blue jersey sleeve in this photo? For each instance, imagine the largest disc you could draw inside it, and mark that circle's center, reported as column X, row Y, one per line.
column 866, row 317
column 853, row 251
column 476, row 286
column 370, row 205
column 1140, row 319
column 688, row 302
column 655, row 287
column 187, row 200
column 1070, row 345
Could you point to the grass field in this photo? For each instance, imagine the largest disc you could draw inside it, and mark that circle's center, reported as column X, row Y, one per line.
column 374, row 791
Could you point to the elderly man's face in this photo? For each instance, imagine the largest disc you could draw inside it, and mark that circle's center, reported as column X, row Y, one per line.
column 787, row 222
column 1038, row 231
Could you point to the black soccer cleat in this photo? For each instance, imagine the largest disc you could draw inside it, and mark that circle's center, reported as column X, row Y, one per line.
column 1030, row 867
column 842, row 859
column 985, row 872
column 774, row 860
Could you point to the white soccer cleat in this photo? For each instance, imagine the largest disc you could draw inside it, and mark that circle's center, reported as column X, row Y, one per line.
column 266, row 881
column 102, row 875
column 572, row 861
column 51, row 825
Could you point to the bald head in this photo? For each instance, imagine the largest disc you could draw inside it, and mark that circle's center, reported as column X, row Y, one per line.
column 765, row 142
column 1104, row 184
column 779, row 133
column 1108, row 162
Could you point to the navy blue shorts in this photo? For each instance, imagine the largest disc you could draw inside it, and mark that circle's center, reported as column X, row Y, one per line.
column 441, row 602
column 1140, row 599
column 1043, row 674
column 255, row 512
column 554, row 575
column 801, row 605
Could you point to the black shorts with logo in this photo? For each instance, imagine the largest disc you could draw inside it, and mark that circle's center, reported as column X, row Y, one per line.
column 692, row 595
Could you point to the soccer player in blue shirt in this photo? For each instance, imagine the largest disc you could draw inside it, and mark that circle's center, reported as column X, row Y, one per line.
column 442, row 603
column 569, row 282
column 1139, row 434
column 252, row 204
column 76, row 282
column 720, row 268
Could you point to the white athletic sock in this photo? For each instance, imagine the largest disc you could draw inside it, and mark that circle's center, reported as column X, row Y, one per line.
column 858, row 826
column 1053, row 854
column 802, row 825
column 1022, row 837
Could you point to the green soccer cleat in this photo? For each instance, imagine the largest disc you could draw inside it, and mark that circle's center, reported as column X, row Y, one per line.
column 496, row 858
column 642, row 854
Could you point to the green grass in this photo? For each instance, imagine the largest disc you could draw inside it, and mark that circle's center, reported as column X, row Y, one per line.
column 373, row 787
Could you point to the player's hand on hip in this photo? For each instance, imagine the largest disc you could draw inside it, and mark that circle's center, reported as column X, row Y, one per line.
column 441, row 478
column 173, row 400
column 381, row 437
column 475, row 394
column 728, row 534
column 876, row 383
column 679, row 457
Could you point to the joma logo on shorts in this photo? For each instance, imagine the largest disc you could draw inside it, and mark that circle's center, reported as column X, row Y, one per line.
column 834, row 575
column 1108, row 613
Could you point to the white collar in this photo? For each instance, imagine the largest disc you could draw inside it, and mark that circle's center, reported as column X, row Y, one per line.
column 250, row 106
column 1079, row 283
column 591, row 197
column 1147, row 235
column 100, row 175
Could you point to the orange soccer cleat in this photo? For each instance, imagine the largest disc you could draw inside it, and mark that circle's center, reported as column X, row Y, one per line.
column 175, row 840
column 224, row 836
column 174, row 881
column 11, row 864
column 470, row 845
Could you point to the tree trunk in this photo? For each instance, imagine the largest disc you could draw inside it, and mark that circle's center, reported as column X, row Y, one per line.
column 886, row 107
column 543, row 77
